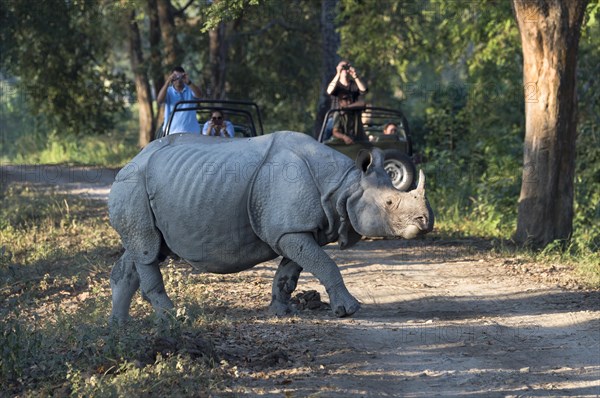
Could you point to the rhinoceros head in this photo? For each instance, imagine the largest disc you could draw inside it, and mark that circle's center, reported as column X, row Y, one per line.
column 378, row 209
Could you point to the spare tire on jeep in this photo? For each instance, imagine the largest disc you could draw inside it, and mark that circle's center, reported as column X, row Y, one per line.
column 400, row 168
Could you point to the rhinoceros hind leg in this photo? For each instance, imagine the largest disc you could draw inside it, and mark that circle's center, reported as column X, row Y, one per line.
column 153, row 287
column 306, row 252
column 284, row 283
column 124, row 282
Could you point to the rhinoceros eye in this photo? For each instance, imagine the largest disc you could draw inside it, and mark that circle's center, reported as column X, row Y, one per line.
column 389, row 202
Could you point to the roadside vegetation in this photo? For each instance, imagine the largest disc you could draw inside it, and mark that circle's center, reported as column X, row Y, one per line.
column 42, row 144
column 54, row 335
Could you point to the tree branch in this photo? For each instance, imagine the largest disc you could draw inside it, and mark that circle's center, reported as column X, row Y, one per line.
column 179, row 13
column 272, row 23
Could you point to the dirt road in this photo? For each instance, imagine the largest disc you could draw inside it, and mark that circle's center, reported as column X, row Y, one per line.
column 92, row 182
column 439, row 318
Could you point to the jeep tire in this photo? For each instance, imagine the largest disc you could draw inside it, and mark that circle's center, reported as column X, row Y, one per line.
column 400, row 168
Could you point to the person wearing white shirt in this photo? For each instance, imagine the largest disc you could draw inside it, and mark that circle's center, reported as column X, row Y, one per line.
column 218, row 126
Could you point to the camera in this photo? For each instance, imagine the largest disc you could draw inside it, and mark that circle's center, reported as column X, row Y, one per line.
column 346, row 67
column 179, row 76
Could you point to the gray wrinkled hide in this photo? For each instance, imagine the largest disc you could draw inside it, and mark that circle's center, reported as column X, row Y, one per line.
column 225, row 205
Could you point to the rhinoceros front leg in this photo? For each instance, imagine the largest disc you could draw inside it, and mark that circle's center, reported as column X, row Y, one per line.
column 284, row 284
column 306, row 253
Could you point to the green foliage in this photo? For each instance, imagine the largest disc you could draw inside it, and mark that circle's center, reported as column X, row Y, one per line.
column 17, row 341
column 285, row 85
column 25, row 138
column 21, row 208
column 167, row 376
column 225, row 11
column 587, row 196
column 60, row 53
column 110, row 149
column 586, row 237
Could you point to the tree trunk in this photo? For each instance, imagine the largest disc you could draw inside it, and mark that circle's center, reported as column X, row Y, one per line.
column 330, row 46
column 156, row 69
column 218, row 47
column 550, row 31
column 172, row 53
column 157, row 73
column 142, row 85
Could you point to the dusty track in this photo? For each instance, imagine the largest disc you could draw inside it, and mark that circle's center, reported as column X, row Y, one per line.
column 91, row 182
column 438, row 318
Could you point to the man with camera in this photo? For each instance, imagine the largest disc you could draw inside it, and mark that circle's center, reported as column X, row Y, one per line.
column 345, row 88
column 345, row 82
column 179, row 87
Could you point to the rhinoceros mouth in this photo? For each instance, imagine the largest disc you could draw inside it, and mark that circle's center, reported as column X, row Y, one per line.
column 411, row 231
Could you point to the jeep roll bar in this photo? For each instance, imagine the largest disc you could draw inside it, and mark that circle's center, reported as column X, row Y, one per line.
column 247, row 109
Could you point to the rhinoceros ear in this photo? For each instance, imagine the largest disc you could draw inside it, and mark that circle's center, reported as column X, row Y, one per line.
column 367, row 159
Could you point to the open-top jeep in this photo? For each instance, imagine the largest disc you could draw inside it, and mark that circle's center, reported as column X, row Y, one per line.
column 396, row 147
column 244, row 115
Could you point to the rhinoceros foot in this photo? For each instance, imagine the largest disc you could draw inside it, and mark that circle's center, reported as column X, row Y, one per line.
column 284, row 284
column 342, row 302
column 278, row 308
column 118, row 321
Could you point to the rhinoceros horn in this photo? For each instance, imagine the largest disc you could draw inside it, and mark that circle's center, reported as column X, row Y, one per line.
column 421, row 184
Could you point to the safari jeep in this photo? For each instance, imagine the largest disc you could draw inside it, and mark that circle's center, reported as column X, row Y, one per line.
column 244, row 115
column 397, row 147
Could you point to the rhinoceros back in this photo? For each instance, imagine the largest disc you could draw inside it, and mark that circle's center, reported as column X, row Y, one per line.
column 198, row 190
column 223, row 204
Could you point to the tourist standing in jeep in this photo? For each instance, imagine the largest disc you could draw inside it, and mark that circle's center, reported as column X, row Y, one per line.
column 345, row 89
column 179, row 87
column 345, row 82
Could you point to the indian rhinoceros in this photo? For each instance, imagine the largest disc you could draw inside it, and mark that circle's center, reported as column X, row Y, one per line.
column 225, row 205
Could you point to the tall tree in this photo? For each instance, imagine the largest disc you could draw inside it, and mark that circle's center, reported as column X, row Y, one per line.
column 218, row 48
column 172, row 49
column 147, row 122
column 550, row 32
column 329, row 49
column 157, row 74
column 271, row 57
column 154, row 35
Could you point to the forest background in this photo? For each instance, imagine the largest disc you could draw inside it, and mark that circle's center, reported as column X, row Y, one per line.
column 76, row 77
